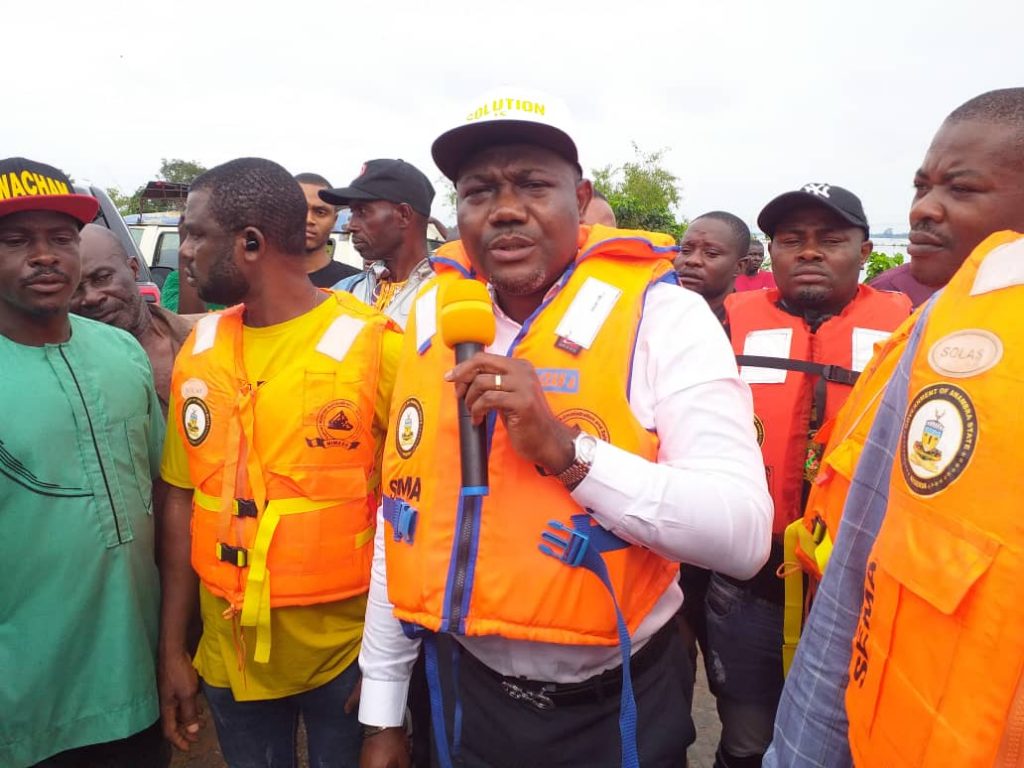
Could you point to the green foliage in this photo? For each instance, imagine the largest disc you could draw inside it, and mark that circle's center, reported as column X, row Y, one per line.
column 174, row 170
column 180, row 171
column 124, row 203
column 445, row 192
column 879, row 262
column 643, row 193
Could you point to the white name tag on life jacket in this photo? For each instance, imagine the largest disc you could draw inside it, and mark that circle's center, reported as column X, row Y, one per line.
column 587, row 313
column 863, row 346
column 772, row 342
column 338, row 338
column 1002, row 268
column 426, row 318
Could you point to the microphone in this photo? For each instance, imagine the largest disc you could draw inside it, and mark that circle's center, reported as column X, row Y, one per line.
column 467, row 326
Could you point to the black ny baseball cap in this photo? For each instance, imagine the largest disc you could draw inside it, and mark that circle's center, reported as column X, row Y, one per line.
column 393, row 180
column 26, row 185
column 838, row 200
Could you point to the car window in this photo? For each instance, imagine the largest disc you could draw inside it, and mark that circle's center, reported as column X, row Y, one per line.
column 137, row 233
column 167, row 250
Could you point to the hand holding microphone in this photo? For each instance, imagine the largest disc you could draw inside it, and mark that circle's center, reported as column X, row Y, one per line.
column 508, row 385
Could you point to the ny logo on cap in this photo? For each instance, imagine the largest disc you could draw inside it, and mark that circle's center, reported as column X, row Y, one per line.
column 821, row 190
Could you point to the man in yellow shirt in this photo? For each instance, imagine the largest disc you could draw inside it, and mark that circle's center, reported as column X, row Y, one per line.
column 277, row 417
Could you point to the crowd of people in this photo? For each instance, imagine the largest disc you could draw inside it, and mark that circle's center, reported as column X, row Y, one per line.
column 490, row 506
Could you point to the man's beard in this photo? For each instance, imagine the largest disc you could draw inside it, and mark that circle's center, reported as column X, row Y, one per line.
column 522, row 286
column 44, row 311
column 225, row 284
column 811, row 297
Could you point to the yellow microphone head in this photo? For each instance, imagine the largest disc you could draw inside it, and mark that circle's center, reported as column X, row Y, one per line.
column 467, row 315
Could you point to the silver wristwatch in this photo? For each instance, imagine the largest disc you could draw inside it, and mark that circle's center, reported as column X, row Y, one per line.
column 586, row 447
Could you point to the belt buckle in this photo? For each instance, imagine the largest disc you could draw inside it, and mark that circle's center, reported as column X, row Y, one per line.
column 536, row 699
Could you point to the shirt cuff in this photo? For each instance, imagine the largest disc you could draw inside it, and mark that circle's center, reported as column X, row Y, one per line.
column 600, row 491
column 382, row 702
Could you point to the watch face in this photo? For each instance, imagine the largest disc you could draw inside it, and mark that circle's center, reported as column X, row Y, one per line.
column 586, row 447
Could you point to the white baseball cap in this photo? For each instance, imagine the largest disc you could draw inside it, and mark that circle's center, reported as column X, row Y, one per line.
column 507, row 115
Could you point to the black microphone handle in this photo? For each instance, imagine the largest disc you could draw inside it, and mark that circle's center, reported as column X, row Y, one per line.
column 472, row 439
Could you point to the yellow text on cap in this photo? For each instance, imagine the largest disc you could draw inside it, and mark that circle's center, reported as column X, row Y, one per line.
column 28, row 184
column 501, row 108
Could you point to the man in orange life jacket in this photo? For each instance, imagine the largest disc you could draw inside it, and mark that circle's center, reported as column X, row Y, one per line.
column 799, row 346
column 912, row 653
column 277, row 414
column 612, row 438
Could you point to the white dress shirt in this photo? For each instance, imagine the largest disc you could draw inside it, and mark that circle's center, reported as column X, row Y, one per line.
column 704, row 502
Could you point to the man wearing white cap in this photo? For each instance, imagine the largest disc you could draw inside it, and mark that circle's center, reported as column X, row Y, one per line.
column 617, row 448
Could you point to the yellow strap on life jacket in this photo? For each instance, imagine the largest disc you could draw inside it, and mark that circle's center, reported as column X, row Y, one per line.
column 816, row 543
column 823, row 550
column 256, row 602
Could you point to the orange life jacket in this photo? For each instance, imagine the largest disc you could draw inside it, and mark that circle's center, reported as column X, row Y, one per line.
column 938, row 655
column 844, row 438
column 282, row 512
column 790, row 405
column 485, row 573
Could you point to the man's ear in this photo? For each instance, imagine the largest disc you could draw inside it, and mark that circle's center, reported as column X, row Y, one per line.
column 865, row 251
column 584, row 194
column 133, row 265
column 404, row 214
column 253, row 243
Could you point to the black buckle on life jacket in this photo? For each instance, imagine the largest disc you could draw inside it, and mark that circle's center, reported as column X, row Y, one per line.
column 246, row 508
column 839, row 375
column 237, row 556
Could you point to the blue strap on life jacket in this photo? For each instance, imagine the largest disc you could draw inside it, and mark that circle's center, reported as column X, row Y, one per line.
column 444, row 757
column 402, row 517
column 581, row 547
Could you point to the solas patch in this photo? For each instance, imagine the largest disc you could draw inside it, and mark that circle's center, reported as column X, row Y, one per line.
column 759, row 430
column 195, row 419
column 965, row 353
column 938, row 439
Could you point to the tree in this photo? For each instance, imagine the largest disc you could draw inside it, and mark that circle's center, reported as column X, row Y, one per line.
column 174, row 170
column 446, row 193
column 180, row 171
column 124, row 203
column 643, row 193
column 879, row 262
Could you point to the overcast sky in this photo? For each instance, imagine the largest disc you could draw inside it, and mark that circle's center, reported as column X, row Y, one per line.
column 750, row 99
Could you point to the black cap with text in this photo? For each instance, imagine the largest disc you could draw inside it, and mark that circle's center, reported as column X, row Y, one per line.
column 841, row 201
column 26, row 185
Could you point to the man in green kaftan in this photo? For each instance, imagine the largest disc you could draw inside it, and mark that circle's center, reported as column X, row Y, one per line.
column 80, row 438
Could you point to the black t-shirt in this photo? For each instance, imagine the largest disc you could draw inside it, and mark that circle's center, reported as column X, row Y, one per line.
column 325, row 277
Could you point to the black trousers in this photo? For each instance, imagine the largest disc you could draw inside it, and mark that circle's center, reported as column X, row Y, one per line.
column 145, row 749
column 499, row 731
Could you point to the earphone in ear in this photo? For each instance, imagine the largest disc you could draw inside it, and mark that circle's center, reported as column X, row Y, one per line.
column 252, row 244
